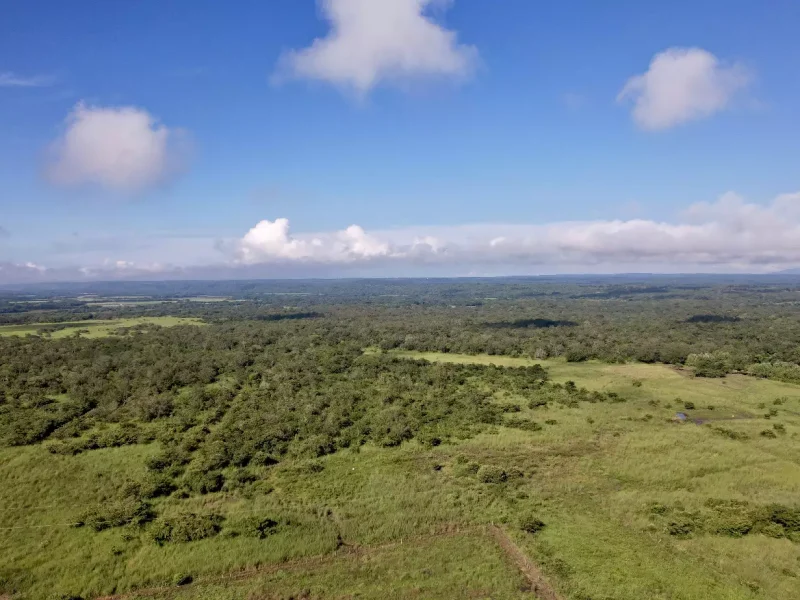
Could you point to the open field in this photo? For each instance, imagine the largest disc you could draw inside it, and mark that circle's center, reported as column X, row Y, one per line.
column 630, row 500
column 642, row 381
column 458, row 564
column 92, row 328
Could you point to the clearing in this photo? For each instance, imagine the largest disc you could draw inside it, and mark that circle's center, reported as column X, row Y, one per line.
column 92, row 328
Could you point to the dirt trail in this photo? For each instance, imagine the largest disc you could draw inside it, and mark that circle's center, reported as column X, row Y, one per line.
column 531, row 572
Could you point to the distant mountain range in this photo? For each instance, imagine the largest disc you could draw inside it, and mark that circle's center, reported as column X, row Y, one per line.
column 795, row 271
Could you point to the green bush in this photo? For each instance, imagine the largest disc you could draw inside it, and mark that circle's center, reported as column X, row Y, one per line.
column 682, row 527
column 788, row 518
column 531, row 524
column 125, row 511
column 523, row 424
column 180, row 579
column 255, row 526
column 201, row 482
column 710, row 364
column 187, row 527
column 491, row 474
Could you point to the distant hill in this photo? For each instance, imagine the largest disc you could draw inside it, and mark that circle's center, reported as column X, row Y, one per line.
column 795, row 271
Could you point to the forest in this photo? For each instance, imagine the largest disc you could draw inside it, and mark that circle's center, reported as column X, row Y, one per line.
column 616, row 435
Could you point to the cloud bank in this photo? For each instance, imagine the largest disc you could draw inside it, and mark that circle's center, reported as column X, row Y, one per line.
column 727, row 235
column 379, row 41
column 682, row 84
column 122, row 149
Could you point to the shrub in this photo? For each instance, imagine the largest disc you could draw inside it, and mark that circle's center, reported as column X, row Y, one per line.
column 788, row 518
column 491, row 474
column 730, row 433
column 524, row 424
column 515, row 473
column 681, row 527
column 531, row 524
column 768, row 433
column 773, row 530
column 239, row 479
column 188, row 527
column 204, row 482
column 166, row 459
column 129, row 510
column 182, row 579
column 257, row 527
column 710, row 364
column 430, row 441
column 576, row 354
column 688, row 405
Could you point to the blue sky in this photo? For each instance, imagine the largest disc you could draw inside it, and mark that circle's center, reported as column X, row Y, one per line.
column 165, row 139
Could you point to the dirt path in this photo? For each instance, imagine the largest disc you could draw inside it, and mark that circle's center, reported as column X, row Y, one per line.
column 530, row 571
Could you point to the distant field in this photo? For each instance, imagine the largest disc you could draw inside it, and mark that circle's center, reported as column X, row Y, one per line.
column 92, row 328
column 118, row 302
column 652, row 381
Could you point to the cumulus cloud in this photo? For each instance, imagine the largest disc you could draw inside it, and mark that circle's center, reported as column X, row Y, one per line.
column 682, row 84
column 119, row 148
column 727, row 233
column 270, row 240
column 374, row 41
column 9, row 79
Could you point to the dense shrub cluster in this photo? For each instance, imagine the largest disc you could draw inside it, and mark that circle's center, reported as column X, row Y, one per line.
column 731, row 518
column 187, row 527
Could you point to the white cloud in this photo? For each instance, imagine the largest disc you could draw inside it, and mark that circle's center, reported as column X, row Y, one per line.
column 725, row 233
column 271, row 241
column 119, row 148
column 372, row 41
column 9, row 79
column 682, row 84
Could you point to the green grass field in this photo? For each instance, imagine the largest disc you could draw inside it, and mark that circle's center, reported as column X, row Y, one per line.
column 460, row 565
column 621, row 487
column 92, row 328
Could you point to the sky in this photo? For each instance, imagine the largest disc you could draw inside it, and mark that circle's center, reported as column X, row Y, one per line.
column 189, row 139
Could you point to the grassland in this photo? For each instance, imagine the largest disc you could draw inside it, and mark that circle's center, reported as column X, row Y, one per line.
column 451, row 565
column 610, row 480
column 92, row 328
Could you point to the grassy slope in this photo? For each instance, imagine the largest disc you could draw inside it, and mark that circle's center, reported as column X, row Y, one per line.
column 590, row 477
